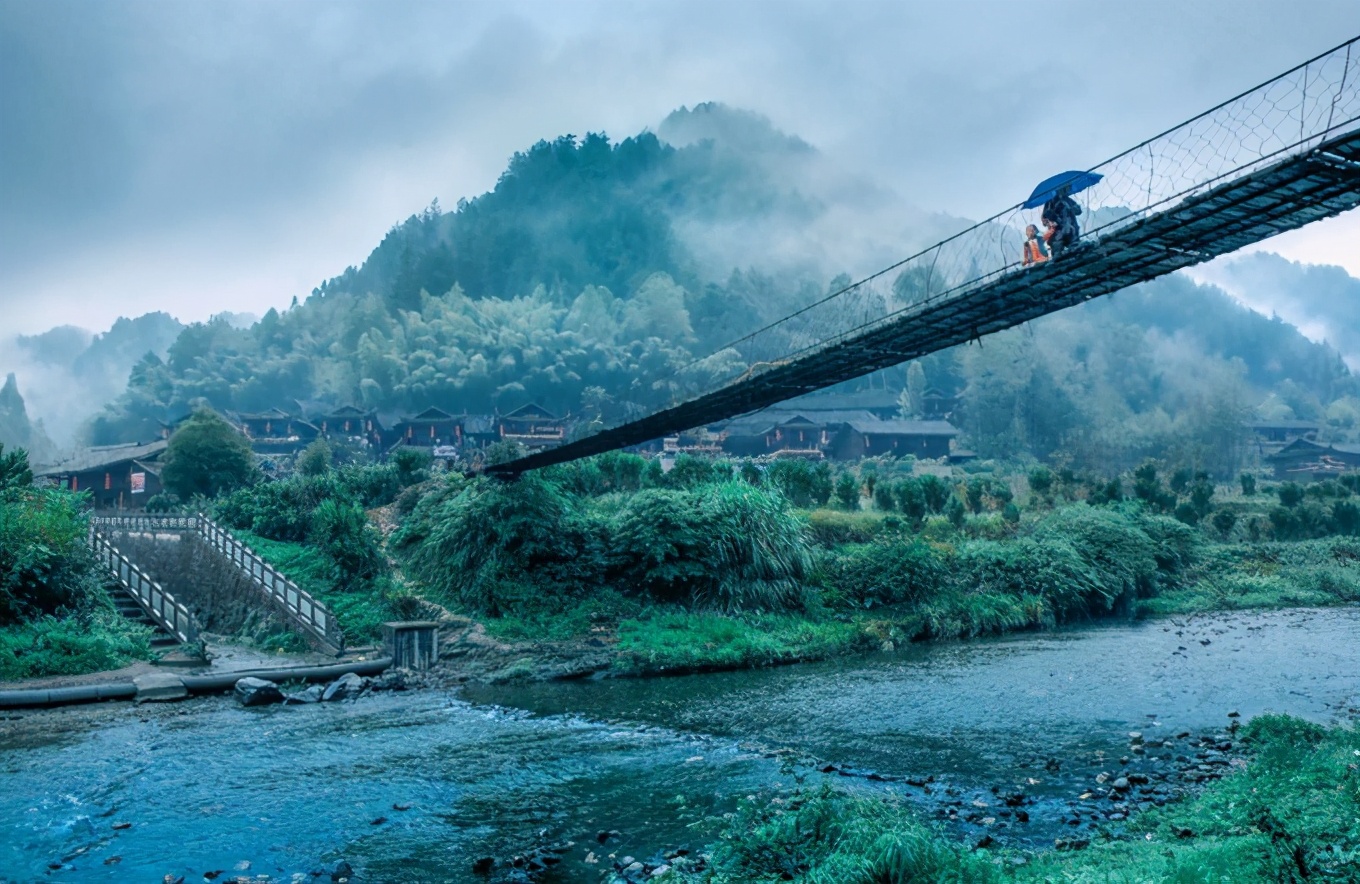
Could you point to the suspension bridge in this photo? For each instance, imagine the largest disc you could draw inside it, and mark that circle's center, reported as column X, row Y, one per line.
column 1279, row 156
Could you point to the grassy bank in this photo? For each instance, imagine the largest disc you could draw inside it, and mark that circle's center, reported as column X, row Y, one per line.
column 1292, row 814
column 55, row 615
column 720, row 565
column 72, row 645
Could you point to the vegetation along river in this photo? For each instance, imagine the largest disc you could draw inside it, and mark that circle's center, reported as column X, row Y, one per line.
column 417, row 786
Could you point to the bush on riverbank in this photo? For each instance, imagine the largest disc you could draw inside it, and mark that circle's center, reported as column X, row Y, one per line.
column 55, row 616
column 1292, row 814
column 74, row 645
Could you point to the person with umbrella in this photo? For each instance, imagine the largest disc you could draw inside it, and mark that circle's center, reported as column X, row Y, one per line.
column 1060, row 221
column 1060, row 211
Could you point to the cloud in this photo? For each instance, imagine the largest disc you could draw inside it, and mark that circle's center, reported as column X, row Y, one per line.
column 1323, row 301
column 225, row 156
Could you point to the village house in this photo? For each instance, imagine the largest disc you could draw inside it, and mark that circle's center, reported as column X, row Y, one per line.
column 276, row 431
column 349, row 422
column 432, row 428
column 841, row 435
column 1304, row 460
column 926, row 440
column 118, row 477
column 533, row 426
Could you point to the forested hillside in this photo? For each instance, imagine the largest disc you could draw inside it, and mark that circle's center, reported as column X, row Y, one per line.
column 595, row 273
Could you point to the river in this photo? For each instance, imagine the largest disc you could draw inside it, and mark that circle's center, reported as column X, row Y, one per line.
column 416, row 786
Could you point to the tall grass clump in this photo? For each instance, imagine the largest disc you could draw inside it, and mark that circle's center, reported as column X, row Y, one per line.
column 724, row 545
column 826, row 835
column 497, row 547
column 888, row 573
column 92, row 641
column 1121, row 556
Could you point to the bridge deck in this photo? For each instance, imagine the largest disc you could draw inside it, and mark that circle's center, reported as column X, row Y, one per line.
column 1296, row 191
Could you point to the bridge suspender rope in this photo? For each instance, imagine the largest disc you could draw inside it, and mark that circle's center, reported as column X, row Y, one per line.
column 1274, row 158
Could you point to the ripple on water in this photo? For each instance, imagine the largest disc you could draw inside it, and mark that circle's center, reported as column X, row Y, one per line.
column 291, row 788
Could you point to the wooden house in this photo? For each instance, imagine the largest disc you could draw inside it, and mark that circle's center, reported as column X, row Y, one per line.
column 276, row 431
column 533, row 426
column 937, row 404
column 432, row 428
column 772, row 431
column 1283, row 431
column 118, row 477
column 1304, row 460
column 349, row 422
column 895, row 438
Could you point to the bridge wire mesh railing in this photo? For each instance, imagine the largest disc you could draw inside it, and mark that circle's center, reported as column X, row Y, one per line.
column 1286, row 116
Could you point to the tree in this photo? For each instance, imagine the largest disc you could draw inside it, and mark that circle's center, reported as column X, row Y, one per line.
column 315, row 459
column 847, row 492
column 911, row 403
column 207, row 457
column 14, row 471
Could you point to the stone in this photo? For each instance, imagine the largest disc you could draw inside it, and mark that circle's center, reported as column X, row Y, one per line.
column 633, row 868
column 251, row 691
column 1121, row 784
column 118, row 827
column 159, row 686
column 484, row 865
column 311, row 694
column 343, row 688
column 343, row 872
column 660, row 870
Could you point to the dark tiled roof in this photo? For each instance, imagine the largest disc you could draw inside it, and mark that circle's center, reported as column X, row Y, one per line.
column 429, row 414
column 104, row 456
column 904, row 428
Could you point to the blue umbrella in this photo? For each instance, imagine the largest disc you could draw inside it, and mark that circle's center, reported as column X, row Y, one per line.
column 1075, row 181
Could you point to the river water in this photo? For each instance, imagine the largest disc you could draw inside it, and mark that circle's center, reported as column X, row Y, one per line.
column 206, row 785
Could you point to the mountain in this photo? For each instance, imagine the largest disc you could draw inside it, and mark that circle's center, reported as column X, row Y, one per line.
column 16, row 431
column 69, row 374
column 599, row 277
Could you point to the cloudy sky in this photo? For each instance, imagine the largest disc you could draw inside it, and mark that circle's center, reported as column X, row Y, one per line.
column 201, row 157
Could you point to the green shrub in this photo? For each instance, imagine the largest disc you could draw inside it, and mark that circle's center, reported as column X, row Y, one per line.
column 1291, row 493
column 500, row 546
column 90, row 642
column 833, row 528
column 689, row 471
column 1041, row 481
column 729, row 546
column 14, row 471
column 45, row 565
column 1122, row 555
column 1049, row 568
column 315, row 459
column 806, row 485
column 341, row 531
column 935, row 491
column 888, row 573
column 412, row 463
column 827, row 836
column 847, row 492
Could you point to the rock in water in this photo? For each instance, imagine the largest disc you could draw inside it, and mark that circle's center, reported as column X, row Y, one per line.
column 344, row 687
column 257, row 692
column 310, row 695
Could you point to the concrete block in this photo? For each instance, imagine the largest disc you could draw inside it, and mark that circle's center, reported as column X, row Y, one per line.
column 159, row 686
